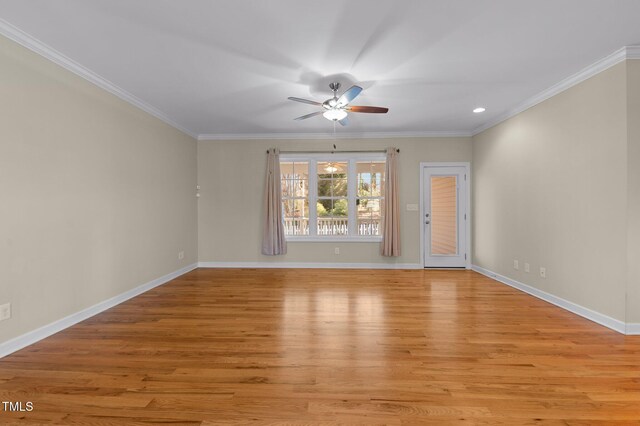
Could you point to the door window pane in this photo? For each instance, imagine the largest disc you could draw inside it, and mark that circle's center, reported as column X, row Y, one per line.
column 444, row 215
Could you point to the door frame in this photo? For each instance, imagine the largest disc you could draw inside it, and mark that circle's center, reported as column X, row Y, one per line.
column 423, row 167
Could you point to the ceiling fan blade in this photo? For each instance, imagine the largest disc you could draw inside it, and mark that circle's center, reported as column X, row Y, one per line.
column 344, row 121
column 348, row 96
column 369, row 109
column 313, row 114
column 304, row 101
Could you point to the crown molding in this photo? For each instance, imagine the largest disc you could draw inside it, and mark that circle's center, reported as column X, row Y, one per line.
column 323, row 136
column 15, row 34
column 35, row 45
column 627, row 52
column 633, row 52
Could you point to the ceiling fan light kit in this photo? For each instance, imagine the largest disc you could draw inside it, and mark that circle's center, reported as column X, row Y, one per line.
column 334, row 114
column 337, row 108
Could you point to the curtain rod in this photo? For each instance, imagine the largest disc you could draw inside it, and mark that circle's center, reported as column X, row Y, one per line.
column 334, row 152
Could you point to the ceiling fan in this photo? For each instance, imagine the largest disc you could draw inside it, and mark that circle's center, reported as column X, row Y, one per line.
column 337, row 108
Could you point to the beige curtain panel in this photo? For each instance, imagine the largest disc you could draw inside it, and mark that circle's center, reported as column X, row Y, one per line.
column 273, row 242
column 391, row 219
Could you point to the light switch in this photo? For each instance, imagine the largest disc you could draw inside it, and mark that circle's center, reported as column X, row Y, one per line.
column 412, row 207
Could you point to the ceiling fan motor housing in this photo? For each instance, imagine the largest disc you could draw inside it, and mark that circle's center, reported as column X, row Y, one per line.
column 331, row 102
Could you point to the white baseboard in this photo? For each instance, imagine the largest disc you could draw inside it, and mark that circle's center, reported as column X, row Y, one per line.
column 633, row 329
column 587, row 313
column 31, row 337
column 34, row 336
column 309, row 265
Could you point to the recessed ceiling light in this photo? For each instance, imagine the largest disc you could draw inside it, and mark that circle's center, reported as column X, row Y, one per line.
column 479, row 110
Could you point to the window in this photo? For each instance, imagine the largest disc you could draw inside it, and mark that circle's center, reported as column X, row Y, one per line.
column 295, row 197
column 330, row 197
column 369, row 197
column 332, row 205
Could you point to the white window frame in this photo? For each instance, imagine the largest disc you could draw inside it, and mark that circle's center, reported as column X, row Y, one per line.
column 351, row 159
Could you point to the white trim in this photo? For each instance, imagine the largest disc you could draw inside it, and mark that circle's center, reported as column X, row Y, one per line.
column 329, row 135
column 352, row 195
column 332, row 239
column 305, row 265
column 351, row 158
column 633, row 329
column 335, row 156
column 467, row 166
column 633, row 52
column 38, row 334
column 627, row 52
column 587, row 313
column 312, row 194
column 421, row 213
column 35, row 45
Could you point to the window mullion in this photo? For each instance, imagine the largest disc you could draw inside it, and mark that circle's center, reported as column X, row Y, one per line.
column 351, row 198
column 313, row 197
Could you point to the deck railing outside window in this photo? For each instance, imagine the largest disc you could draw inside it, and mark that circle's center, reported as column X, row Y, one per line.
column 342, row 195
column 331, row 226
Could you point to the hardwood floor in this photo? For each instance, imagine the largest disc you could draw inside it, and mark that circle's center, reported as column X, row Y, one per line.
column 247, row 346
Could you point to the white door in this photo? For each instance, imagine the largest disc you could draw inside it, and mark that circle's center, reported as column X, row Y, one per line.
column 444, row 216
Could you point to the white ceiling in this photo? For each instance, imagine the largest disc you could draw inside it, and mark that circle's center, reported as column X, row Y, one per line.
column 227, row 66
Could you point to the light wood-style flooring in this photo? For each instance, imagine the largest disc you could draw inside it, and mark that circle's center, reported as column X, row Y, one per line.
column 310, row 346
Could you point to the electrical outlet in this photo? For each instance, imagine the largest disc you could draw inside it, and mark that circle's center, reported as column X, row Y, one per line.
column 5, row 311
column 181, row 255
column 336, row 250
column 527, row 267
column 516, row 264
column 543, row 272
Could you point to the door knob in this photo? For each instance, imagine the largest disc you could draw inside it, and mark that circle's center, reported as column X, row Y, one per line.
column 427, row 222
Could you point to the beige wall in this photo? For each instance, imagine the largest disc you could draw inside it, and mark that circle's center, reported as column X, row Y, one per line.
column 96, row 196
column 231, row 176
column 550, row 188
column 633, row 213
